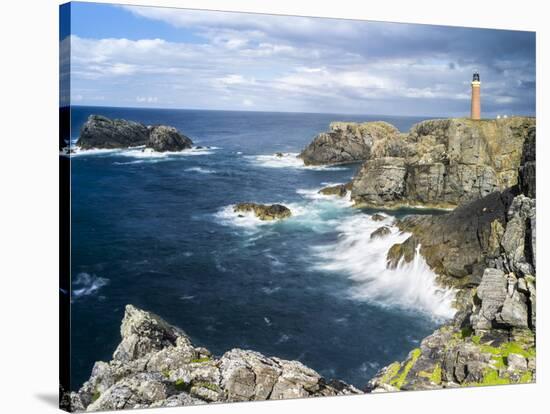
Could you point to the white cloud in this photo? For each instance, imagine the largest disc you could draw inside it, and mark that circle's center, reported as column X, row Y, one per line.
column 289, row 64
column 147, row 99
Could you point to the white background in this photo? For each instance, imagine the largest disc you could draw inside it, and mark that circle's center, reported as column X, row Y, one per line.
column 29, row 206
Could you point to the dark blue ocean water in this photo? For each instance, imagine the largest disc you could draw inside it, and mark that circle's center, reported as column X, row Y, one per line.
column 157, row 232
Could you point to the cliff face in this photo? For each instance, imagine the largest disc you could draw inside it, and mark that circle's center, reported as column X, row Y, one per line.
column 102, row 132
column 348, row 142
column 487, row 248
column 438, row 163
column 156, row 365
column 443, row 163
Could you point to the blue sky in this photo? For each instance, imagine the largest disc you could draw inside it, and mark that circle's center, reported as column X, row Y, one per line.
column 176, row 58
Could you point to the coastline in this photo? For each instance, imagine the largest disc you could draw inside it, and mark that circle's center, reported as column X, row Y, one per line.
column 425, row 367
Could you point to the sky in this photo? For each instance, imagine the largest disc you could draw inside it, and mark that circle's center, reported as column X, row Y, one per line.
column 133, row 56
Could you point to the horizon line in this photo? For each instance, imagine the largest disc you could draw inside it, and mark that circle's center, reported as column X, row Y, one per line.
column 260, row 111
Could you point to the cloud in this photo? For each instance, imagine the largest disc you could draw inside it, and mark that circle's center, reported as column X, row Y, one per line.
column 146, row 99
column 308, row 64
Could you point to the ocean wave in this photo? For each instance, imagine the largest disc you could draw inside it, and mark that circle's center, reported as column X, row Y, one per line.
column 314, row 194
column 86, row 284
column 316, row 212
column 200, row 170
column 141, row 152
column 244, row 219
column 409, row 286
column 288, row 160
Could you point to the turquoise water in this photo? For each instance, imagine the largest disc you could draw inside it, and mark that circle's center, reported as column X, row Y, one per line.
column 159, row 232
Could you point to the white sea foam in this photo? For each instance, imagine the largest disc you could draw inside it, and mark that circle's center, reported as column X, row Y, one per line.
column 313, row 194
column 86, row 284
column 245, row 219
column 200, row 170
column 411, row 285
column 141, row 152
column 288, row 160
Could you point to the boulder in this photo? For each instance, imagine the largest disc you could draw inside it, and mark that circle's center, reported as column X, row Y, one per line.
column 349, row 142
column 263, row 211
column 340, row 190
column 164, row 138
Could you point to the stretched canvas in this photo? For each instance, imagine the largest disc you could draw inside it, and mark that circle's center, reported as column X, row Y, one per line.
column 259, row 207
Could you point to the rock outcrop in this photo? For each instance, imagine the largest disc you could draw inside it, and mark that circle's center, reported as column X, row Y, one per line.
column 104, row 133
column 263, row 211
column 164, row 138
column 156, row 365
column 486, row 249
column 444, row 163
column 438, row 163
column 340, row 190
column 349, row 142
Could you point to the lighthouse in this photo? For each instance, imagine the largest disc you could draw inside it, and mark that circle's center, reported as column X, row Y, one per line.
column 476, row 104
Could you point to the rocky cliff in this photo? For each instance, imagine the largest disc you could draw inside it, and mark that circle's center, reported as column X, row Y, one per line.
column 102, row 132
column 487, row 250
column 349, row 142
column 156, row 365
column 438, row 163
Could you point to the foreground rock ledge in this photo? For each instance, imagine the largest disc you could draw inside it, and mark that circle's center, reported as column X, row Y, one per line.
column 156, row 365
column 103, row 133
column 264, row 212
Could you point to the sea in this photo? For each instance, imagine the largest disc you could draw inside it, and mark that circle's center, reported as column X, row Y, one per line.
column 157, row 230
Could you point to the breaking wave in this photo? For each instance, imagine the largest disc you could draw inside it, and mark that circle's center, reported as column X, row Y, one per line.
column 288, row 160
column 142, row 153
column 410, row 286
column 86, row 284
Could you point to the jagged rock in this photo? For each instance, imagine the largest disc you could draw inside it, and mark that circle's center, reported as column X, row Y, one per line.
column 264, row 212
column 142, row 333
column 102, row 132
column 164, row 138
column 340, row 190
column 350, row 142
column 402, row 252
column 156, row 365
column 448, row 162
column 380, row 232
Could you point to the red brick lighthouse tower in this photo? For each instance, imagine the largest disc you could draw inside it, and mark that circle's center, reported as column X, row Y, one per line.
column 476, row 104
